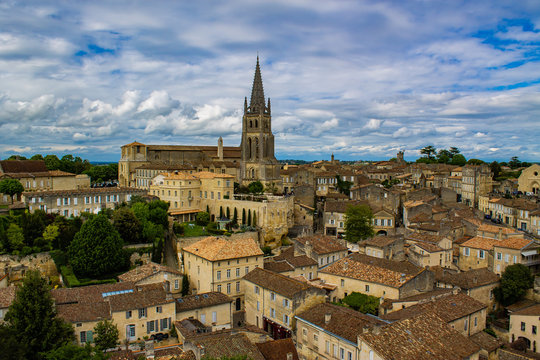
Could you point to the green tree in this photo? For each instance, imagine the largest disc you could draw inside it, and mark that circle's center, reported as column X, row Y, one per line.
column 474, row 162
column 15, row 237
column 96, row 248
column 429, row 151
column 515, row 281
column 9, row 344
column 33, row 320
column 495, row 169
column 458, row 160
column 244, row 216
column 127, row 225
column 254, row 223
column 51, row 233
column 453, row 151
column 106, row 335
column 343, row 186
column 202, row 218
column 33, row 225
column 514, row 163
column 256, row 187
column 228, row 212
column 366, row 304
column 358, row 223
column 220, row 212
column 37, row 157
column 185, row 285
column 75, row 352
column 235, row 216
column 52, row 162
column 249, row 217
column 444, row 156
column 11, row 187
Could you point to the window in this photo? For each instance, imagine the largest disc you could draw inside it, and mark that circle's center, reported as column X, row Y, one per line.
column 499, row 256
column 475, row 321
column 367, row 288
column 342, row 354
column 131, row 331
column 164, row 323
column 534, row 329
column 327, row 347
column 159, row 309
column 273, row 312
column 466, row 251
column 272, row 296
column 286, row 303
column 228, row 288
column 238, row 286
column 247, row 269
column 218, row 274
column 219, row 288
column 304, row 333
column 507, row 258
column 142, row 313
column 481, row 254
column 150, row 326
column 258, row 306
column 228, row 273
column 176, row 284
column 237, row 272
column 203, row 318
column 349, row 354
column 214, row 316
column 522, row 326
column 286, row 319
column 334, row 349
column 128, row 314
column 342, row 283
column 256, row 290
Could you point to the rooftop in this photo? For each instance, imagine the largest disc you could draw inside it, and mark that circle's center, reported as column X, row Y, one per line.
column 277, row 283
column 144, row 271
column 191, row 302
column 217, row 248
column 322, row 244
column 467, row 279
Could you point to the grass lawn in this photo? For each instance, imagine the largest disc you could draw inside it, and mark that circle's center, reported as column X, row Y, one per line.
column 191, row 229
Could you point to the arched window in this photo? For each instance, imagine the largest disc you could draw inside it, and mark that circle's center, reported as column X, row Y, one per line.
column 256, row 123
column 253, row 173
column 250, row 123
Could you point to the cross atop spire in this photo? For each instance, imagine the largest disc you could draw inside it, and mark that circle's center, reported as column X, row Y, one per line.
column 257, row 103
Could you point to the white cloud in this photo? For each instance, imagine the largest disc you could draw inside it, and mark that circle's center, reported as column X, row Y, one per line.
column 373, row 124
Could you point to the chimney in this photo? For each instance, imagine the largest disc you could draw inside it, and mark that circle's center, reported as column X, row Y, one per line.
column 289, row 356
column 327, row 318
column 376, row 329
column 365, row 329
column 220, row 148
column 475, row 280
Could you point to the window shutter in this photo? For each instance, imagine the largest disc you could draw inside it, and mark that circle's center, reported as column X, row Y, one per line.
column 58, row 201
column 89, row 336
column 74, row 201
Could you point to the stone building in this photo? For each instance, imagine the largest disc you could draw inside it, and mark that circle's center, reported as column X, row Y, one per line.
column 529, row 180
column 251, row 161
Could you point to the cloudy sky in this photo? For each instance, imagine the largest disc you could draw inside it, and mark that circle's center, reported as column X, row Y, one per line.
column 361, row 79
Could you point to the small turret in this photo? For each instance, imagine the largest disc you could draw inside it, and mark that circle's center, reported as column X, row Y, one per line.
column 220, row 148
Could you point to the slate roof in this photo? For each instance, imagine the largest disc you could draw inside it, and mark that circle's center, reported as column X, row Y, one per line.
column 278, row 266
column 144, row 271
column 467, row 279
column 296, row 261
column 275, row 282
column 344, row 322
column 424, row 337
column 448, row 308
column 382, row 240
column 217, row 248
column 323, row 244
column 220, row 344
column 23, row 166
column 436, row 293
column 533, row 310
column 371, row 269
column 143, row 296
column 278, row 349
column 201, row 300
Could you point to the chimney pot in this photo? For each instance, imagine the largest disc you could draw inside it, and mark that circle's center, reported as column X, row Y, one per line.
column 327, row 318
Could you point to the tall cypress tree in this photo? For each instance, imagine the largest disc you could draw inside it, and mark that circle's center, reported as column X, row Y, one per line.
column 249, row 217
column 254, row 218
column 243, row 216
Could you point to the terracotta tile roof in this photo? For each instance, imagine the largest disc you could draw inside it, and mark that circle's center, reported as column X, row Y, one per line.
column 211, row 175
column 486, row 341
column 217, row 248
column 382, row 240
column 448, row 308
column 23, row 166
column 421, row 217
column 275, row 282
column 533, row 310
column 424, row 337
column 80, row 312
column 467, row 279
column 142, row 296
column 165, row 167
column 278, row 266
column 478, row 242
column 339, row 206
column 144, row 271
column 7, row 295
column 86, row 192
column 296, row 261
column 423, row 237
column 200, row 301
column 87, row 294
column 278, row 349
column 495, row 229
column 375, row 270
column 436, row 293
column 323, row 244
column 336, row 196
column 513, row 243
column 220, row 344
column 180, row 175
column 344, row 322
column 429, row 247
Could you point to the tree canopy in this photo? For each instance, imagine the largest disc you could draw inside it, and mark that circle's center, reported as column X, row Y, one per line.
column 256, row 187
column 358, row 223
column 96, row 249
column 366, row 304
column 106, row 335
column 33, row 321
column 127, row 225
column 515, row 281
column 11, row 187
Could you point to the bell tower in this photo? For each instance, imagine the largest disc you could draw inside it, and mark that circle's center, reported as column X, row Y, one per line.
column 258, row 160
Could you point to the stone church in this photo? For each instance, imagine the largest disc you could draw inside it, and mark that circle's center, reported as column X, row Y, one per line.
column 253, row 160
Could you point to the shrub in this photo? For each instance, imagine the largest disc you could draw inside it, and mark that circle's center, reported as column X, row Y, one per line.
column 178, row 228
column 366, row 304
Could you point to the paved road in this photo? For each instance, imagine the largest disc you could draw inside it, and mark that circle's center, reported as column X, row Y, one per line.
column 170, row 257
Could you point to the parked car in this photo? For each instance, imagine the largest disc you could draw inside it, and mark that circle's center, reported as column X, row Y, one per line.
column 487, row 217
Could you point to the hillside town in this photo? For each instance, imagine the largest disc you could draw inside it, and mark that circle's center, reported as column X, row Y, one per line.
column 224, row 252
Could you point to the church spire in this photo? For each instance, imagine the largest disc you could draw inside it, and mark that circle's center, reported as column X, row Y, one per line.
column 257, row 103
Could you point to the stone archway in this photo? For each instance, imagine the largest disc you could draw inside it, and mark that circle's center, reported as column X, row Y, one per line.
column 382, row 232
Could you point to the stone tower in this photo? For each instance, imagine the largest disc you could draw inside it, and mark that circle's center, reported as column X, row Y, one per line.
column 258, row 160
